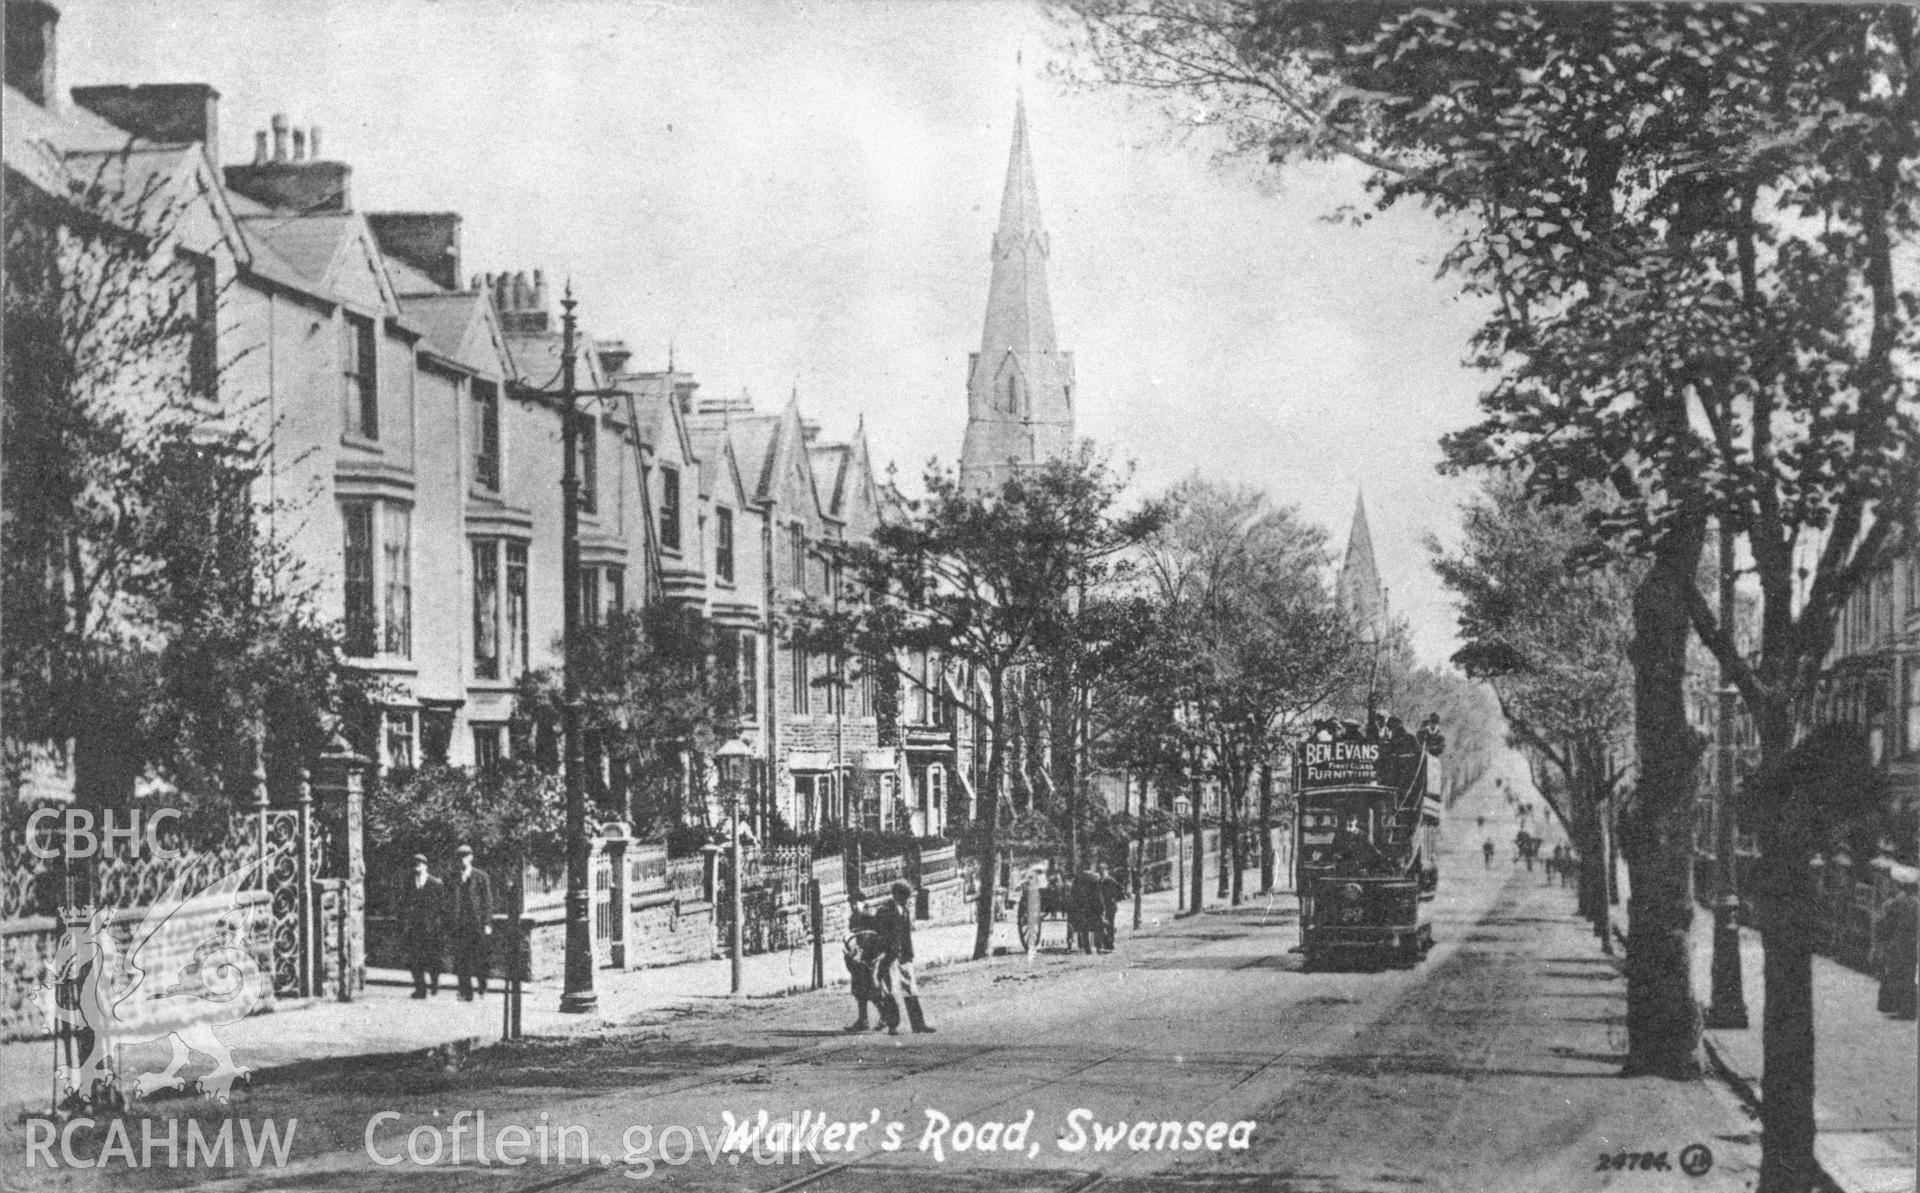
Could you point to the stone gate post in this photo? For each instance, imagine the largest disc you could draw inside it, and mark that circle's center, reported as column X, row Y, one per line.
column 339, row 796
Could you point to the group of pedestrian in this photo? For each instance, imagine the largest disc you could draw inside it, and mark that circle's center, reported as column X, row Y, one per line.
column 879, row 959
column 1093, row 903
column 435, row 914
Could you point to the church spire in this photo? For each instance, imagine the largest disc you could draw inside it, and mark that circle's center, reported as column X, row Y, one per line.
column 1020, row 385
column 1359, row 585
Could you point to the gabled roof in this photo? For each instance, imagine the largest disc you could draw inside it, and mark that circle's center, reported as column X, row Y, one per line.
column 829, row 461
column 754, row 437
column 862, row 505
column 719, row 465
column 460, row 326
column 335, row 250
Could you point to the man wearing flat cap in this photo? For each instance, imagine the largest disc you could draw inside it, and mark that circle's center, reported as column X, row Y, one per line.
column 422, row 911
column 894, row 922
column 470, row 907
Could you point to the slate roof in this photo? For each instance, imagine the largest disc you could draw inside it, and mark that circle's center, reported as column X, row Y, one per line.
column 308, row 243
column 444, row 316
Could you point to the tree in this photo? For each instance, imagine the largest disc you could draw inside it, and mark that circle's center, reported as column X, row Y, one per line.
column 154, row 626
column 654, row 700
column 1257, row 639
column 1547, row 626
column 1685, row 219
column 987, row 582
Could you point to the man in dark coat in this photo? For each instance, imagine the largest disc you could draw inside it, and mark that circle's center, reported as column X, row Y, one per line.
column 1899, row 924
column 1110, row 893
column 470, row 910
column 862, row 952
column 422, row 915
column 894, row 922
column 1083, row 910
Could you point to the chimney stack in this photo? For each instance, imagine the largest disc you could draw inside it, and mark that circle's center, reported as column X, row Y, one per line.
column 522, row 303
column 168, row 113
column 31, row 42
column 300, row 183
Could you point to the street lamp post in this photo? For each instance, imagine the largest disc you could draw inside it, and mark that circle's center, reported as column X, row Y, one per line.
column 1729, row 1006
column 732, row 759
column 578, row 996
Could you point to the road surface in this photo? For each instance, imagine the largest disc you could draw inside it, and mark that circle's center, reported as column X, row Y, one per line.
column 1490, row 1066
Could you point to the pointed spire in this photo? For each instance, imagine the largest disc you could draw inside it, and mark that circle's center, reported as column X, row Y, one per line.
column 1020, row 199
column 1360, row 588
column 1019, row 392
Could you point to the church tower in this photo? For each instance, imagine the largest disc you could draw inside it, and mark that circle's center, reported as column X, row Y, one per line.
column 1019, row 385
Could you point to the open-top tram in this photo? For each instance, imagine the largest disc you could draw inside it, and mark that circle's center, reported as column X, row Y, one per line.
column 1367, row 835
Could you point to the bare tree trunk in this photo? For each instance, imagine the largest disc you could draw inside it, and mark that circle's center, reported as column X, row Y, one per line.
column 1663, row 1022
column 990, row 822
column 1266, row 829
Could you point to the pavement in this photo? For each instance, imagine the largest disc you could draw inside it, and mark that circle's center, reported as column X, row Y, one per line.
column 1866, row 1066
column 386, row 1020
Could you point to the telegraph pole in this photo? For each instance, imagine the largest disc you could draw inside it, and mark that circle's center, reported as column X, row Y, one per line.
column 578, row 996
column 1729, row 1006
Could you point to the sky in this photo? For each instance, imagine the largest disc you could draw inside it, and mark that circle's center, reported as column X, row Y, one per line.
column 800, row 197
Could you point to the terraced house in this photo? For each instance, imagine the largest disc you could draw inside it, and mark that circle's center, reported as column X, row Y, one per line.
column 414, row 460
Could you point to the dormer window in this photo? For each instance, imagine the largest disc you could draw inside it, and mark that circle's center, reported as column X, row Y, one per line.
column 670, row 508
column 723, row 543
column 361, row 351
column 486, row 435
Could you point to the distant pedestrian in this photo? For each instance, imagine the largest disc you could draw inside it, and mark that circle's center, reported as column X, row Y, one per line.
column 470, row 908
column 423, row 926
column 1032, row 908
column 1899, row 926
column 894, row 922
column 1569, row 865
column 1110, row 892
column 1486, row 852
column 1083, row 910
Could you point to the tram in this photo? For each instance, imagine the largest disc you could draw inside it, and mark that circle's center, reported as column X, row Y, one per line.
column 1366, row 840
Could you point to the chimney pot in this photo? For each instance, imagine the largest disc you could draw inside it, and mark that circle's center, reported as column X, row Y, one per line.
column 313, row 143
column 279, row 137
column 299, row 144
column 260, row 147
